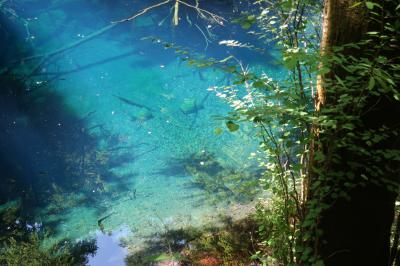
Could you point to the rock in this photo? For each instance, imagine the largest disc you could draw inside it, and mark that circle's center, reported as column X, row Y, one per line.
column 189, row 106
column 143, row 114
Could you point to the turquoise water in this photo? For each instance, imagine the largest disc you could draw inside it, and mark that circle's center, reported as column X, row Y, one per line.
column 119, row 127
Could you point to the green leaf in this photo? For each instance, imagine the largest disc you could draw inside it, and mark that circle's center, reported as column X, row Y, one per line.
column 371, row 83
column 355, row 5
column 246, row 25
column 259, row 84
column 232, row 126
column 369, row 5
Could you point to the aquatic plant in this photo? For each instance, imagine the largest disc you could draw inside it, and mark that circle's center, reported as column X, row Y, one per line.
column 10, row 220
column 221, row 183
column 232, row 243
column 30, row 251
column 21, row 242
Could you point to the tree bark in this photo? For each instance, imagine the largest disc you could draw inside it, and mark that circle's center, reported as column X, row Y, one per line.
column 355, row 231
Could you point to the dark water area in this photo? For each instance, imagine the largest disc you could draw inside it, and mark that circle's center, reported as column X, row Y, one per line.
column 119, row 126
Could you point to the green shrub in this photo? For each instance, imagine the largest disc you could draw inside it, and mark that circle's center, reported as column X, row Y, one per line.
column 30, row 253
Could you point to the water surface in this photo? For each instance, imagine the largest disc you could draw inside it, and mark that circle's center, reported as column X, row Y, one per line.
column 120, row 126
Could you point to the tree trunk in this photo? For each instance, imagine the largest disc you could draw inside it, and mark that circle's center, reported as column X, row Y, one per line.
column 355, row 231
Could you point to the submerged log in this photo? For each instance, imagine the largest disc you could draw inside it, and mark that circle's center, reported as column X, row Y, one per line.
column 132, row 103
column 100, row 221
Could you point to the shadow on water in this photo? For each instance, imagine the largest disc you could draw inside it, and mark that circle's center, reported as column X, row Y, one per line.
column 180, row 166
column 51, row 158
column 45, row 147
column 48, row 159
column 202, row 170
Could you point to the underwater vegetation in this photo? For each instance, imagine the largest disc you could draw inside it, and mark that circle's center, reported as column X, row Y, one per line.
column 30, row 252
column 65, row 149
column 221, row 183
column 231, row 243
column 21, row 242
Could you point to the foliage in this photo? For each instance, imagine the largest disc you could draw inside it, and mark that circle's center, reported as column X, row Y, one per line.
column 221, row 183
column 232, row 243
column 30, row 253
column 360, row 80
column 286, row 117
column 23, row 244
column 290, row 127
column 281, row 110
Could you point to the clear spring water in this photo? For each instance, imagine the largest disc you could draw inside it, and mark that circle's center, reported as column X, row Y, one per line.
column 83, row 149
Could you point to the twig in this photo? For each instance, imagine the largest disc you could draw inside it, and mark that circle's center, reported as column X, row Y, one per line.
column 80, row 68
column 216, row 18
column 46, row 56
column 71, row 45
column 166, row 230
column 205, row 37
column 141, row 12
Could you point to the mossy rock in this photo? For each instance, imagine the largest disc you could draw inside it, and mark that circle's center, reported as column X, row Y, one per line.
column 189, row 106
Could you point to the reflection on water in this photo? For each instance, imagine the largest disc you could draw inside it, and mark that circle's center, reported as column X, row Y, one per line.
column 109, row 251
column 118, row 124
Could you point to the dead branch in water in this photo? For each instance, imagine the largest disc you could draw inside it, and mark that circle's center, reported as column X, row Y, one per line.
column 46, row 56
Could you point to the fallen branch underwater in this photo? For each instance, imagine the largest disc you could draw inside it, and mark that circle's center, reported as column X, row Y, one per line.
column 205, row 37
column 46, row 56
column 100, row 221
column 130, row 102
column 83, row 67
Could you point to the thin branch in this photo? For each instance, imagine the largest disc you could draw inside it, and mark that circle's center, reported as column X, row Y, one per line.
column 142, row 12
column 205, row 37
column 44, row 57
column 216, row 18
